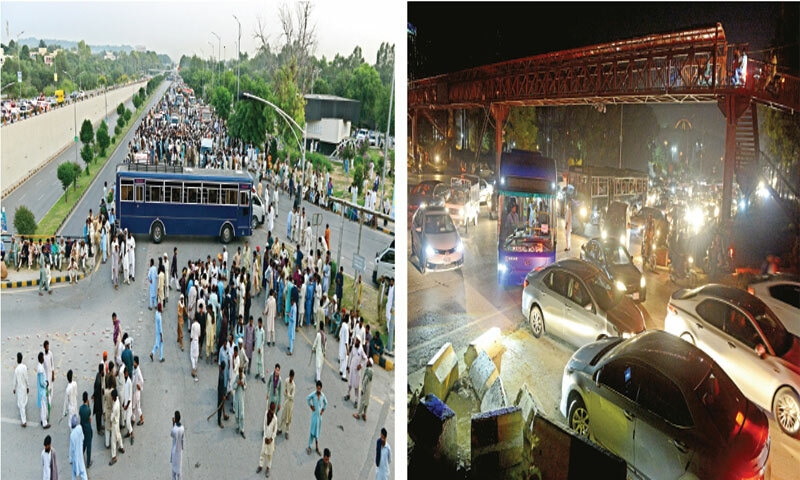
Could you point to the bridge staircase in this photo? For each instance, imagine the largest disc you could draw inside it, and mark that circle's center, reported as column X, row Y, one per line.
column 746, row 160
column 777, row 179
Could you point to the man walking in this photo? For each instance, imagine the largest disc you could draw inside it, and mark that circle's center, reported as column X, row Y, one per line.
column 138, row 383
column 357, row 358
column 50, row 374
column 317, row 402
column 319, row 349
column 49, row 464
column 258, row 346
column 268, row 447
column 292, row 325
column 127, row 401
column 275, row 387
column 390, row 317
column 195, row 346
column 324, row 468
column 158, row 346
column 21, row 388
column 85, row 413
column 97, row 398
column 288, row 406
column 71, row 397
column 366, row 389
column 222, row 390
column 176, row 455
column 152, row 280
column 76, row 449
column 344, row 341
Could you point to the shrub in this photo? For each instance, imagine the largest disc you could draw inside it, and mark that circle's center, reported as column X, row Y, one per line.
column 24, row 222
column 117, row 131
column 358, row 176
column 120, row 109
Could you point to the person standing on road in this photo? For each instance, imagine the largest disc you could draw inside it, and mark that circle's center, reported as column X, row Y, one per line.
column 292, row 325
column 97, row 398
column 164, row 285
column 317, row 402
column 182, row 316
column 127, row 401
column 138, row 383
column 195, row 346
column 108, row 402
column 383, row 457
column 173, row 269
column 176, row 454
column 289, row 220
column 324, row 468
column 357, row 358
column 161, row 286
column 116, row 436
column 21, row 388
column 339, row 283
column 258, row 347
column 71, row 396
column 49, row 463
column 268, row 447
column 85, row 413
column 288, row 406
column 344, row 341
column 275, row 387
column 130, row 244
column 152, row 281
column 115, row 265
column 158, row 346
column 76, row 440
column 319, row 349
column 241, row 386
column 249, row 342
column 366, row 389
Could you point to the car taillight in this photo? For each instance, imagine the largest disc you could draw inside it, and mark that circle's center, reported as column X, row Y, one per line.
column 751, row 291
column 671, row 309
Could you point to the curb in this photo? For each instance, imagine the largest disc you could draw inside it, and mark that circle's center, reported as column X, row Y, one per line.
column 7, row 284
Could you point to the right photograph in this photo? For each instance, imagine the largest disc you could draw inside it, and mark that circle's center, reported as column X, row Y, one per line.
column 603, row 247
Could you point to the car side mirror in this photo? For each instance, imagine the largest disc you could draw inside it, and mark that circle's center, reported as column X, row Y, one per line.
column 761, row 350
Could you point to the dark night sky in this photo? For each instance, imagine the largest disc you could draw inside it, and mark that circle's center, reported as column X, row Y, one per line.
column 452, row 36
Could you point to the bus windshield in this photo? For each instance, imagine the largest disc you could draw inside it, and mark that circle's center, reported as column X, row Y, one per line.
column 527, row 223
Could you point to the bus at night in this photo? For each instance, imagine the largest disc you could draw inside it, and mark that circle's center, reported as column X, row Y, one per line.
column 526, row 229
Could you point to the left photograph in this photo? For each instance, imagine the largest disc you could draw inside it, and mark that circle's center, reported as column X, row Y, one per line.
column 198, row 224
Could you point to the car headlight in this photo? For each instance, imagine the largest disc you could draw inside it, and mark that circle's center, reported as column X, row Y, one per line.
column 502, row 268
column 422, row 205
column 641, row 282
column 429, row 251
column 584, row 212
column 459, row 247
column 620, row 286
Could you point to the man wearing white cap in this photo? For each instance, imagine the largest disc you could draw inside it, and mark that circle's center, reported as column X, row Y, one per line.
column 165, row 285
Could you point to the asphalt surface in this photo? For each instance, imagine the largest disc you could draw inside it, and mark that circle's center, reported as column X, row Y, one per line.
column 77, row 321
column 460, row 305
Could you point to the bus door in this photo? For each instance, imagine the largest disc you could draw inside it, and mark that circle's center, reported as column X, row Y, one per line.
column 138, row 192
column 245, row 207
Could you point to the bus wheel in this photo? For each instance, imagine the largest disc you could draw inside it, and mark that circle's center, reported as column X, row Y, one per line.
column 253, row 223
column 157, row 232
column 227, row 234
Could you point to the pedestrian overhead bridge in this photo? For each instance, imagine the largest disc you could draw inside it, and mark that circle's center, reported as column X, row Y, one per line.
column 689, row 66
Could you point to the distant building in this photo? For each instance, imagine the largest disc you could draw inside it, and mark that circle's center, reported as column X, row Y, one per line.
column 141, row 48
column 42, row 51
column 328, row 120
column 109, row 55
column 49, row 59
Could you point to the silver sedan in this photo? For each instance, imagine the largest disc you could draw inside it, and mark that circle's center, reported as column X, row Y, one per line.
column 575, row 301
column 748, row 341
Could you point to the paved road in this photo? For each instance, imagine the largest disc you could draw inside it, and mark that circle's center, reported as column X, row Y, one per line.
column 74, row 224
column 43, row 190
column 77, row 321
column 460, row 305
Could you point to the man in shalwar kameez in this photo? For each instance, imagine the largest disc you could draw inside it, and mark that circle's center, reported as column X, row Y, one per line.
column 357, row 359
column 258, row 347
column 21, row 388
column 317, row 401
column 344, row 341
column 288, row 405
column 78, row 465
column 268, row 447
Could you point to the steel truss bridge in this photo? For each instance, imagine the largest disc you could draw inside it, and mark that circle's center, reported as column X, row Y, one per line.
column 689, row 66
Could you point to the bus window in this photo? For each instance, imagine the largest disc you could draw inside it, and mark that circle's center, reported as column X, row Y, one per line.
column 126, row 190
column 244, row 199
column 154, row 191
column 211, row 194
column 173, row 192
column 229, row 195
column 138, row 192
column 192, row 192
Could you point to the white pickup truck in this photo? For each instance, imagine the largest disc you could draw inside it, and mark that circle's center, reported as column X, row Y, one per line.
column 463, row 201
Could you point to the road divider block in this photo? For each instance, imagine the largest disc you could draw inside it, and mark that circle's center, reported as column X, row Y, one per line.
column 489, row 342
column 384, row 362
column 441, row 372
column 496, row 442
column 487, row 384
column 433, row 430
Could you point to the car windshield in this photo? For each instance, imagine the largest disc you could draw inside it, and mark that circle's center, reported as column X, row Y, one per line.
column 723, row 401
column 439, row 223
column 774, row 332
column 616, row 255
column 603, row 292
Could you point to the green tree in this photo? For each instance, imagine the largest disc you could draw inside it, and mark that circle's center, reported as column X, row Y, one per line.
column 522, row 128
column 87, row 132
column 358, row 176
column 120, row 109
column 102, row 137
column 87, row 154
column 66, row 175
column 137, row 101
column 24, row 221
column 365, row 86
column 221, row 101
column 128, row 115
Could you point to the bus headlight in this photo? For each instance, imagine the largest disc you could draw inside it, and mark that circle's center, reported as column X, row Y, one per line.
column 620, row 286
column 429, row 251
column 641, row 282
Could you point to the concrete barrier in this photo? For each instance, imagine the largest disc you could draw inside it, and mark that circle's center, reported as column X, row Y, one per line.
column 27, row 145
column 559, row 454
column 496, row 443
column 441, row 372
column 384, row 362
column 433, row 430
column 490, row 342
column 530, row 406
column 487, row 384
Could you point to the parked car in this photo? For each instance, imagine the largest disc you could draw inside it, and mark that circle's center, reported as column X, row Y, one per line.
column 435, row 240
column 616, row 262
column 748, row 341
column 664, row 407
column 575, row 301
column 362, row 134
column 384, row 263
column 781, row 293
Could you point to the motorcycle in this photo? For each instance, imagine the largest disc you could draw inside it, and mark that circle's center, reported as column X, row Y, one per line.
column 681, row 267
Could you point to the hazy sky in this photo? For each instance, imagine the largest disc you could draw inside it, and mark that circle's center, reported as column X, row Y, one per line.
column 177, row 27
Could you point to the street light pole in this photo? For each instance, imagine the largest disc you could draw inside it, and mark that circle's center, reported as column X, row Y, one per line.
column 219, row 50
column 238, row 55
column 212, row 67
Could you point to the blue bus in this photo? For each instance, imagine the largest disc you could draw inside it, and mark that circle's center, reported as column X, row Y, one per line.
column 158, row 200
column 526, row 201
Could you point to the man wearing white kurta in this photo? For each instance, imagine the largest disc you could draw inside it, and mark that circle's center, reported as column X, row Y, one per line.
column 130, row 245
column 21, row 388
column 70, row 398
column 357, row 359
column 258, row 350
column 127, row 404
column 50, row 372
column 195, row 347
column 319, row 350
column 176, row 455
column 288, row 405
column 116, row 437
column 270, row 309
column 268, row 447
column 344, row 342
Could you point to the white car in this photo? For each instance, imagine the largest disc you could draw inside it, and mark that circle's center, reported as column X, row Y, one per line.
column 748, row 341
column 781, row 293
